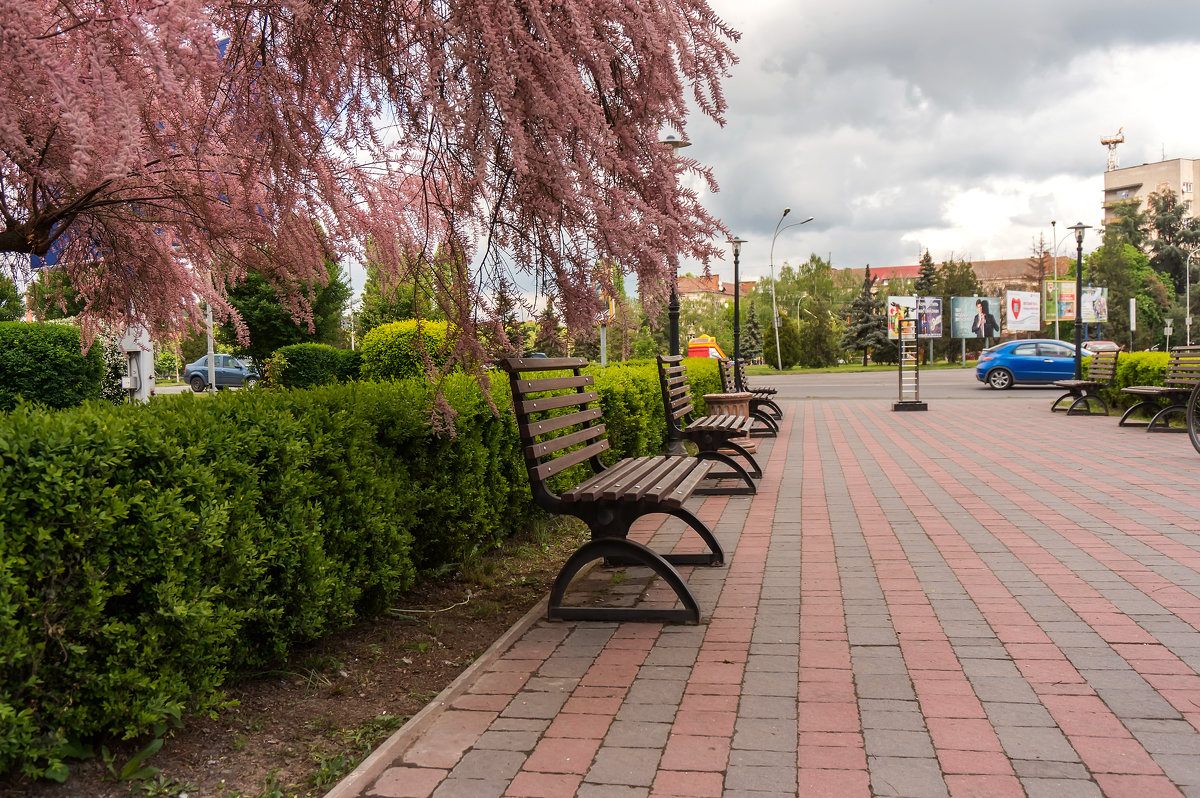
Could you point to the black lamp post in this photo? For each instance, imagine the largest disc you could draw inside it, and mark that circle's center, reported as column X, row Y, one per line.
column 737, row 320
column 1079, row 227
column 676, row 144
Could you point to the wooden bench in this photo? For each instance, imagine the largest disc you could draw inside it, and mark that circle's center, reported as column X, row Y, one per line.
column 560, row 425
column 1183, row 373
column 767, row 420
column 1102, row 369
column 712, row 434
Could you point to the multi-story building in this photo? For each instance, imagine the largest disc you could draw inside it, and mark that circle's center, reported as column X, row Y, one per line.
column 1181, row 175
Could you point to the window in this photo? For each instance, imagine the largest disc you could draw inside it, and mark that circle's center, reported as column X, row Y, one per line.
column 1026, row 350
column 1187, row 188
column 1055, row 350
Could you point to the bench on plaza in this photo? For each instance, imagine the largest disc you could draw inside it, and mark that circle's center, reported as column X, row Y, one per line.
column 561, row 425
column 713, row 435
column 1183, row 373
column 1102, row 370
column 763, row 409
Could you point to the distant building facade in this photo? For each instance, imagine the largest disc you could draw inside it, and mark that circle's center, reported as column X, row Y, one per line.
column 1180, row 175
column 995, row 276
column 711, row 288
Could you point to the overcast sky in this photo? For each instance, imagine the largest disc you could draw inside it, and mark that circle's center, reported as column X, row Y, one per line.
column 958, row 126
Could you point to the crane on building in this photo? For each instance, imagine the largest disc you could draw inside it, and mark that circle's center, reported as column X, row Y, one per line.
column 1111, row 142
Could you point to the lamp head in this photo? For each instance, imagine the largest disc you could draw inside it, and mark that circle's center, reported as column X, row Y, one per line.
column 786, row 211
column 1079, row 227
column 674, row 142
column 737, row 242
column 806, row 221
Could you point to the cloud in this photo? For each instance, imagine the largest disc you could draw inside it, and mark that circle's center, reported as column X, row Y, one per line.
column 962, row 127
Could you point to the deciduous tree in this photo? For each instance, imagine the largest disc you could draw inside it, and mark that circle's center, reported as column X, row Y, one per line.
column 163, row 150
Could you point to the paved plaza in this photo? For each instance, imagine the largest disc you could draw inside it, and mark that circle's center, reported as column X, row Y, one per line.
column 985, row 599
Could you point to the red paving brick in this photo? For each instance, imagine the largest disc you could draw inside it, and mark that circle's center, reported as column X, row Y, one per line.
column 937, row 605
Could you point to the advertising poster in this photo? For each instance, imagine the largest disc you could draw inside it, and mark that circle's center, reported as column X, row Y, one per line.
column 899, row 307
column 974, row 317
column 1059, row 300
column 929, row 317
column 1094, row 305
column 1024, row 311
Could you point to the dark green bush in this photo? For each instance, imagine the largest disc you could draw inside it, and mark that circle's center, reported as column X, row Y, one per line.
column 398, row 350
column 43, row 363
column 1135, row 368
column 316, row 364
column 149, row 552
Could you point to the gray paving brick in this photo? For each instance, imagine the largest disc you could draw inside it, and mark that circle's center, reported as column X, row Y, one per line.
column 905, row 776
column 634, row 767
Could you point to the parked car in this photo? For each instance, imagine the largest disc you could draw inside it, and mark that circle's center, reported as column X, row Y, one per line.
column 1027, row 361
column 229, row 371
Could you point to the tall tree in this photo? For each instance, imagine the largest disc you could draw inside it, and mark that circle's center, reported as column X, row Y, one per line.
column 1131, row 222
column 269, row 324
column 926, row 277
column 955, row 278
column 818, row 325
column 549, row 337
column 866, row 325
column 1175, row 234
column 752, row 348
column 163, row 150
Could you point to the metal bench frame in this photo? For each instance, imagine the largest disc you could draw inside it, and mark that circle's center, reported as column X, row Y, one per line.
column 1183, row 374
column 560, row 424
column 711, row 434
column 1102, row 370
column 763, row 408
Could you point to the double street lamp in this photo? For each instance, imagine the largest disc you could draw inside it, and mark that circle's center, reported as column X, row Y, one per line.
column 774, row 308
column 676, row 144
column 1079, row 227
column 737, row 242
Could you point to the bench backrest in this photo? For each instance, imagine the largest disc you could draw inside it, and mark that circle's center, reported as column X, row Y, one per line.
column 1103, row 366
column 558, row 417
column 728, row 381
column 1183, row 367
column 676, row 392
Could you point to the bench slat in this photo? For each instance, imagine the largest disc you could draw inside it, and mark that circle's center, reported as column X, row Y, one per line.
column 528, row 406
column 553, row 445
column 622, row 473
column 554, row 383
column 563, row 462
column 556, row 423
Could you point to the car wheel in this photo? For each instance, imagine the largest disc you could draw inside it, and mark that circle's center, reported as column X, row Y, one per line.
column 197, row 383
column 1000, row 379
column 251, row 382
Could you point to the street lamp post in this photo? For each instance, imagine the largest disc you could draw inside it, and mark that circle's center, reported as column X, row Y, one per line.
column 1079, row 227
column 1187, row 281
column 774, row 309
column 676, row 144
column 737, row 322
column 1054, row 238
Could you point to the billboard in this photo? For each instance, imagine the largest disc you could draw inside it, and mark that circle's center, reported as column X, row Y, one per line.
column 1094, row 305
column 1024, row 311
column 1059, row 304
column 974, row 317
column 929, row 317
column 898, row 308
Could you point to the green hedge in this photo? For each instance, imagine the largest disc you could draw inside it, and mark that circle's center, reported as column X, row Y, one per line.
column 1134, row 368
column 149, row 552
column 308, row 365
column 397, row 350
column 43, row 363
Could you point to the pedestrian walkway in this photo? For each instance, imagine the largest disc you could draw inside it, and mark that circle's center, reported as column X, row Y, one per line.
column 914, row 604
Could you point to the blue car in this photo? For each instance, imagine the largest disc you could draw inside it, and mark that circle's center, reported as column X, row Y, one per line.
column 229, row 371
column 1027, row 361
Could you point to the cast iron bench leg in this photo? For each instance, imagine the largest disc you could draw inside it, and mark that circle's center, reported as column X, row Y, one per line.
column 1124, row 422
column 621, row 549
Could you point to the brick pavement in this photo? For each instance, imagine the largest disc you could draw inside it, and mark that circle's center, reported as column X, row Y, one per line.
column 914, row 604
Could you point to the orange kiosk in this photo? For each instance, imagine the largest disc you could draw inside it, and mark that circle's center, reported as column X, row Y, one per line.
column 704, row 346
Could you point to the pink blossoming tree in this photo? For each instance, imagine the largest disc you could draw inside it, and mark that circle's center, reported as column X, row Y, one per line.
column 163, row 148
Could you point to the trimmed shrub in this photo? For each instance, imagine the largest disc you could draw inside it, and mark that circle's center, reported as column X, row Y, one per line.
column 43, row 363
column 147, row 552
column 308, row 365
column 398, row 350
column 1135, row 368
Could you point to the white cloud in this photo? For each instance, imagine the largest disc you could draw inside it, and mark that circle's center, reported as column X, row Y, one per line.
column 961, row 127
